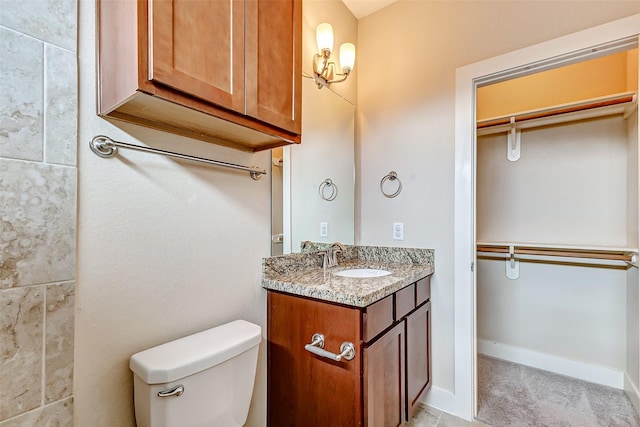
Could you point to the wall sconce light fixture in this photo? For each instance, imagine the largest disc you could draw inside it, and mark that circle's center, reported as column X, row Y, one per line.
column 324, row 70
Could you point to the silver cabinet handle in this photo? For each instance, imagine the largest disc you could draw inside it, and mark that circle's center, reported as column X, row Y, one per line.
column 177, row 391
column 347, row 351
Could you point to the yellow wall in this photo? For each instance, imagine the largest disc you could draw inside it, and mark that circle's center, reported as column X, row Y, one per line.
column 589, row 79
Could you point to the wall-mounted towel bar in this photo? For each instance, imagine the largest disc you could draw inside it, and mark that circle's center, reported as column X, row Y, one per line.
column 106, row 147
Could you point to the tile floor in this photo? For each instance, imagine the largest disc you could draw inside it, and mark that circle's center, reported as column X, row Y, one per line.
column 427, row 416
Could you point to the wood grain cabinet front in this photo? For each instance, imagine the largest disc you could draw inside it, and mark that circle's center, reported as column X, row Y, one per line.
column 194, row 51
column 418, row 350
column 227, row 72
column 304, row 389
column 384, row 380
column 379, row 387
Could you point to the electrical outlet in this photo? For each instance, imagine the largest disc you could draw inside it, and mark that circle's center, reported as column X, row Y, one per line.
column 324, row 229
column 398, row 231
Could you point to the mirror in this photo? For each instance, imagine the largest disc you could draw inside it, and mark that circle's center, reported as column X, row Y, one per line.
column 277, row 235
column 298, row 174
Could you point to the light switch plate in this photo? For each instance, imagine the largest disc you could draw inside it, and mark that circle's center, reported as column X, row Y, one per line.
column 398, row 231
column 324, row 229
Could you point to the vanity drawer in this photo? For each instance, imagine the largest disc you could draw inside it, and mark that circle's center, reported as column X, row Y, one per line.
column 405, row 301
column 423, row 290
column 377, row 317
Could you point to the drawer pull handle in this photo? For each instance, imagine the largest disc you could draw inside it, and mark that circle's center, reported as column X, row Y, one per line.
column 347, row 351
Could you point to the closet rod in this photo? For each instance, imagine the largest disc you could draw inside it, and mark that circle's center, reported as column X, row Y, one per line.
column 590, row 104
column 106, row 147
column 602, row 254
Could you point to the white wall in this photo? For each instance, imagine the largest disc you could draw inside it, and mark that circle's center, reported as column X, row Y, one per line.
column 568, row 187
column 165, row 248
column 571, row 312
column 408, row 53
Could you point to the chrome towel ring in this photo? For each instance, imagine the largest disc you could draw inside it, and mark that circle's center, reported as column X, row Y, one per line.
column 391, row 176
column 323, row 190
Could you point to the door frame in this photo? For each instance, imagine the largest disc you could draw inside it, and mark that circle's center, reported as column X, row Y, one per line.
column 592, row 42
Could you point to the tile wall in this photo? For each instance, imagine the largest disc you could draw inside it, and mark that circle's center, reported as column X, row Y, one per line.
column 38, row 182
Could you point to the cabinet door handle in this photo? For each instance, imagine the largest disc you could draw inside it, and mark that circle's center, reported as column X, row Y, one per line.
column 347, row 351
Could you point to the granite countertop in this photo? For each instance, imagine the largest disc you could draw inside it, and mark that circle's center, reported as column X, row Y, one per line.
column 302, row 273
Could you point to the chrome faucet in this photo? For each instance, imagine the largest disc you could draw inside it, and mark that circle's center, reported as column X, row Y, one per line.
column 307, row 244
column 330, row 258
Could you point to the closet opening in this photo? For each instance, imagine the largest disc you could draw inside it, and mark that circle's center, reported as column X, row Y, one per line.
column 556, row 229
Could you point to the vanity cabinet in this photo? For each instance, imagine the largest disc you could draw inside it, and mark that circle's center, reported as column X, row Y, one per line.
column 390, row 370
column 224, row 72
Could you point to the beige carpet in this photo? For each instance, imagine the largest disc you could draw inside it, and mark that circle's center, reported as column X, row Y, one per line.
column 512, row 395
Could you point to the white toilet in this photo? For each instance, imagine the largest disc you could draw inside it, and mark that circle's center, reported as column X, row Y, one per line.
column 202, row 380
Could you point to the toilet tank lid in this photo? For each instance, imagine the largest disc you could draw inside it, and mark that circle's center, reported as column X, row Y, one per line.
column 194, row 353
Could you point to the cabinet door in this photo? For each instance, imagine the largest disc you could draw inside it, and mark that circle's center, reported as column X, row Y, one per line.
column 274, row 62
column 418, row 355
column 384, row 372
column 197, row 47
column 304, row 389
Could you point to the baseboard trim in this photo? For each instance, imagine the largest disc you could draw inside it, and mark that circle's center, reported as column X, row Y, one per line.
column 449, row 402
column 632, row 393
column 441, row 399
column 560, row 365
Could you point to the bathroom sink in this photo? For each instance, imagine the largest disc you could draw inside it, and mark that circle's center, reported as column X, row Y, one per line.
column 363, row 272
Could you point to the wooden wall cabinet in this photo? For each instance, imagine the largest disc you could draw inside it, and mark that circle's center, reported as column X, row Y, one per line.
column 378, row 388
column 227, row 72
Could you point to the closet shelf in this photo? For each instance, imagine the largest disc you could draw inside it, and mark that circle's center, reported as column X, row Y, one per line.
column 621, row 103
column 591, row 252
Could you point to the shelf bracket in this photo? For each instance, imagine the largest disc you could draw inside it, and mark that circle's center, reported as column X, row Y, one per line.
column 631, row 109
column 512, row 268
column 513, row 141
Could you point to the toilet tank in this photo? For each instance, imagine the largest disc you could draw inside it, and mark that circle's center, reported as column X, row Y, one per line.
column 214, row 368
